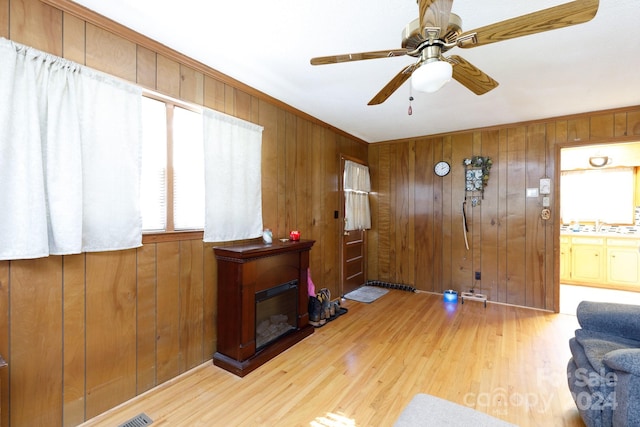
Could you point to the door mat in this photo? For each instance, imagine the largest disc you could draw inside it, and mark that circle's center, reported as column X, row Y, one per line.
column 366, row 294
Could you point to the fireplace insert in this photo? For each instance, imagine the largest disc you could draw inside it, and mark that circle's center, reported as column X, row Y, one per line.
column 276, row 312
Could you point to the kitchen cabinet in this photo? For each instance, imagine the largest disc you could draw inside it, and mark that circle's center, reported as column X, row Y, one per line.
column 565, row 258
column 623, row 261
column 607, row 261
column 588, row 262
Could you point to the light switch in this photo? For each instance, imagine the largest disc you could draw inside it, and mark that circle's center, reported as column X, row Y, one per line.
column 532, row 192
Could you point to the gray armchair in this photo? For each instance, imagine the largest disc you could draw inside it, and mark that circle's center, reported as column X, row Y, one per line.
column 604, row 372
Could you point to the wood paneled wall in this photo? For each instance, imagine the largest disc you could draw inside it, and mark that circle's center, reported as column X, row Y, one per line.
column 417, row 219
column 83, row 333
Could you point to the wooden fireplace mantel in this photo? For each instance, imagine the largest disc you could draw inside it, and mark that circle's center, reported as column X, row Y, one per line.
column 244, row 270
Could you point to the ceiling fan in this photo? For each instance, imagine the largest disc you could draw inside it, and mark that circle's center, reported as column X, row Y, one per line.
column 438, row 30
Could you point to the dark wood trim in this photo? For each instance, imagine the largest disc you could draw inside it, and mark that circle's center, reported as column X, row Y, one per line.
column 588, row 114
column 172, row 236
column 249, row 251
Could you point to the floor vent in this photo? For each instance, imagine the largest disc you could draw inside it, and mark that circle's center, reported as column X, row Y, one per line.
column 137, row 421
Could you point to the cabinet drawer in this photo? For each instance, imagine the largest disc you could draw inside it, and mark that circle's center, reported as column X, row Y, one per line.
column 587, row 241
column 629, row 243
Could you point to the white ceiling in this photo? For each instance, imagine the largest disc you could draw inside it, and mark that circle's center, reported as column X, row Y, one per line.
column 267, row 45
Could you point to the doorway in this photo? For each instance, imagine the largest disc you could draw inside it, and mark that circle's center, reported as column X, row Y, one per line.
column 599, row 257
column 353, row 243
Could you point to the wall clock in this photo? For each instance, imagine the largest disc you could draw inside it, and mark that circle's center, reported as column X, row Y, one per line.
column 442, row 168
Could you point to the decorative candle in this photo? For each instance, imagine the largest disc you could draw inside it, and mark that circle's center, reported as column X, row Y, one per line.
column 294, row 235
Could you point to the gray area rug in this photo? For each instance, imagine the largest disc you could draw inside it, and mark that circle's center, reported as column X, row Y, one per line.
column 366, row 294
column 426, row 410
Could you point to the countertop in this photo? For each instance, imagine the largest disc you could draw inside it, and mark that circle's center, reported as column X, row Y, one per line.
column 609, row 235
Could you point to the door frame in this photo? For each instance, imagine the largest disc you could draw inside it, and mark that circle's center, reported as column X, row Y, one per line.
column 556, row 203
column 341, row 232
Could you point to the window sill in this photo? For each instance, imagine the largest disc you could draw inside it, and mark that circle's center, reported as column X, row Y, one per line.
column 172, row 236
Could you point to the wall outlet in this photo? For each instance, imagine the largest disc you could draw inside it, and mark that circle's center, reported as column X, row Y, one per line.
column 478, row 275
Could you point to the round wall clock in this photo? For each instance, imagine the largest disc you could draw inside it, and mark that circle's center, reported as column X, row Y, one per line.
column 442, row 168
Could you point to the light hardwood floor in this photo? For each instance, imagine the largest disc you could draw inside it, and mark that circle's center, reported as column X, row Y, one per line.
column 571, row 295
column 363, row 368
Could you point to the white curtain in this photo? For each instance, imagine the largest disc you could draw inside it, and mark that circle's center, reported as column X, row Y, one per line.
column 233, row 181
column 357, row 185
column 69, row 157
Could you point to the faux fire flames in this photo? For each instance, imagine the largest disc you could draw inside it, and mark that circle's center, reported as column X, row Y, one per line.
column 270, row 329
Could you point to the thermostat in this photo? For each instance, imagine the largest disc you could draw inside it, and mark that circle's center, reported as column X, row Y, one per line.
column 545, row 186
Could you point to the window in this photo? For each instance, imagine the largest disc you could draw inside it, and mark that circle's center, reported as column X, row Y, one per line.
column 356, row 185
column 187, row 148
column 188, row 170
column 154, row 165
column 172, row 188
column 605, row 195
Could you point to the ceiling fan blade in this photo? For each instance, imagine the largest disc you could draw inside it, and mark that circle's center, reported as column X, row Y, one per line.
column 348, row 57
column 470, row 76
column 393, row 85
column 564, row 15
column 435, row 13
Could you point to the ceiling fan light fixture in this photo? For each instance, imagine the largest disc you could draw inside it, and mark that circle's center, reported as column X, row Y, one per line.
column 431, row 76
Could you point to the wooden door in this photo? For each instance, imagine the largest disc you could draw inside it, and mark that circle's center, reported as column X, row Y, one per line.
column 353, row 260
column 353, row 248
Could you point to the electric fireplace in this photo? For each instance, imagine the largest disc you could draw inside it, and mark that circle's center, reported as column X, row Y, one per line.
column 276, row 312
column 262, row 302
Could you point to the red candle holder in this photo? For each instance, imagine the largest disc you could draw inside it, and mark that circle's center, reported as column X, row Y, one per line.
column 294, row 235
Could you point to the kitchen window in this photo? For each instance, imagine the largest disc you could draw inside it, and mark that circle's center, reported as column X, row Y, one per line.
column 603, row 195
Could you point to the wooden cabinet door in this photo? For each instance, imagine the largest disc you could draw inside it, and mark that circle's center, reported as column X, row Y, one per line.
column 565, row 261
column 623, row 266
column 587, row 263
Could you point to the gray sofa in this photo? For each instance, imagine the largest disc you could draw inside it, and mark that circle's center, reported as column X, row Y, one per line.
column 604, row 372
